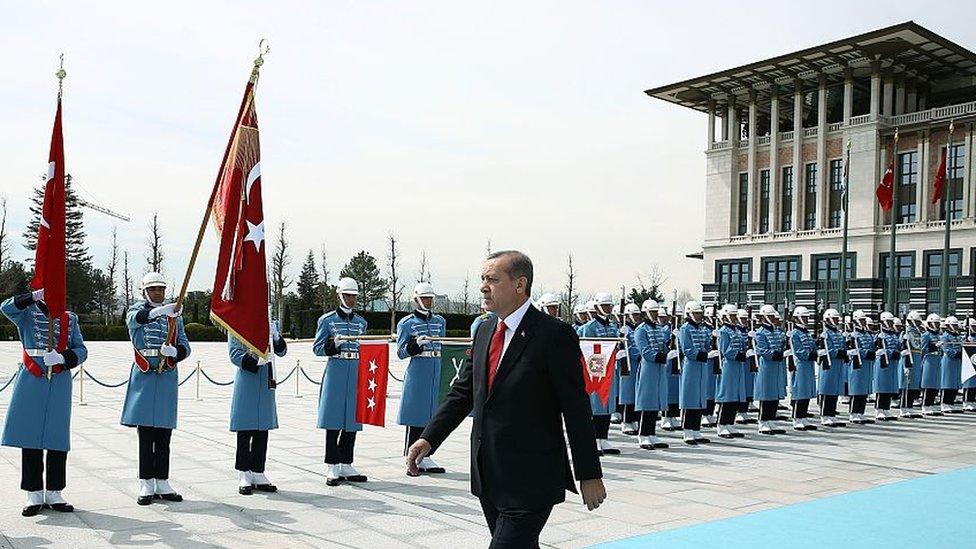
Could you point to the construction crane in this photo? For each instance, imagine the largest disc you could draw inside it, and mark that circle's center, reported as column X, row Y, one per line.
column 90, row 203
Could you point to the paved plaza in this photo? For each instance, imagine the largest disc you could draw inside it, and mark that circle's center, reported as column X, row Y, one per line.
column 648, row 491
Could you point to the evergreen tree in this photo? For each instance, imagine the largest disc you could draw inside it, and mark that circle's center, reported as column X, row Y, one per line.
column 362, row 267
column 308, row 283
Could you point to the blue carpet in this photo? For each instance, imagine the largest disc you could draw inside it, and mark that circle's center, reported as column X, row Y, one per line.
column 927, row 512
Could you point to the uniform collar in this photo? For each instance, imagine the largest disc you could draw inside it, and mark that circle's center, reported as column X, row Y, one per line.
column 423, row 316
column 345, row 316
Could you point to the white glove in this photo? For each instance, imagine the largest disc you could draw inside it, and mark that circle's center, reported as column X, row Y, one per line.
column 852, row 352
column 787, row 353
column 169, row 310
column 263, row 361
column 38, row 295
column 905, row 352
column 822, row 352
column 168, row 351
column 423, row 340
column 672, row 354
column 53, row 358
column 275, row 332
column 750, row 353
column 713, row 354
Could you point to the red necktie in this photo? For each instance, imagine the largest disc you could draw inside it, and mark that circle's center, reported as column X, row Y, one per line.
column 495, row 351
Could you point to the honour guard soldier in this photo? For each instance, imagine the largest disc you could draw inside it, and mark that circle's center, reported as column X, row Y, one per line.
column 253, row 411
column 863, row 355
column 39, row 414
column 711, row 321
column 485, row 315
column 833, row 368
column 340, row 381
column 731, row 383
column 601, row 326
column 152, row 395
column 931, row 364
column 579, row 318
column 752, row 366
column 769, row 343
column 696, row 372
column 911, row 362
column 672, row 415
column 422, row 382
column 652, row 373
column 952, row 340
column 803, row 383
column 549, row 303
column 969, row 386
column 628, row 383
column 887, row 376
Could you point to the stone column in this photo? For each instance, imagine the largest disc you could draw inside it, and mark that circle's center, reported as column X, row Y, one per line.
column 922, row 183
column 822, row 171
column 875, row 89
column 751, row 217
column 848, row 95
column 797, row 151
column 732, row 122
column 911, row 98
column 889, row 96
column 967, row 176
column 900, row 96
column 774, row 179
column 711, row 123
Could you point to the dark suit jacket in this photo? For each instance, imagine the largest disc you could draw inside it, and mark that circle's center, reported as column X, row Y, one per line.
column 518, row 453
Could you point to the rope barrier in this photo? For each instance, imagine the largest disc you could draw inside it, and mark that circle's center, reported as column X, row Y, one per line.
column 281, row 381
column 310, row 379
column 187, row 378
column 7, row 383
column 211, row 380
column 394, row 377
column 110, row 386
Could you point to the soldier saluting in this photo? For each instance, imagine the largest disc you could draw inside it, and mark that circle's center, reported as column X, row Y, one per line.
column 39, row 415
column 151, row 396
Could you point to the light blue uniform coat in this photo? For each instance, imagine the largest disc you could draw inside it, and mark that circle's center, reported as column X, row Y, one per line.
column 859, row 380
column 770, row 383
column 803, row 382
column 653, row 372
column 340, row 380
column 831, row 380
column 422, row 382
column 696, row 376
column 252, row 407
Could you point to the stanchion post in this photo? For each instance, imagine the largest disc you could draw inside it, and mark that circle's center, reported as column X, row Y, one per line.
column 298, row 371
column 81, row 384
column 198, row 380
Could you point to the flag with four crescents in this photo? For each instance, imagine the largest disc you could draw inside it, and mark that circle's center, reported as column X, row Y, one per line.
column 239, row 303
column 374, row 368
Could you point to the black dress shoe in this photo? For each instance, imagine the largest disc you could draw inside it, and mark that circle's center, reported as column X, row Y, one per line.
column 728, row 435
column 661, row 445
column 61, row 507
column 779, row 431
column 691, row 442
column 811, row 427
column 245, row 490
column 144, row 500
column 738, row 435
column 332, row 481
column 433, row 470
column 355, row 478
column 703, row 440
column 266, row 487
column 31, row 510
column 611, row 451
column 630, row 432
column 170, row 497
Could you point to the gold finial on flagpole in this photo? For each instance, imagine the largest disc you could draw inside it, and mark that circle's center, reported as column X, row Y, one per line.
column 896, row 134
column 61, row 74
column 263, row 49
column 952, row 125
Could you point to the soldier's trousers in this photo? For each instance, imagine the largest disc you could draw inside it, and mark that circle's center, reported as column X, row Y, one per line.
column 858, row 404
column 949, row 396
column 801, row 408
column 631, row 414
column 883, row 401
column 828, row 405
column 929, row 397
column 673, row 410
column 767, row 410
column 970, row 395
column 339, row 446
column 601, row 426
column 33, row 468
column 692, row 420
column 727, row 411
column 413, row 435
column 909, row 396
column 154, row 452
column 252, row 451
column 648, row 423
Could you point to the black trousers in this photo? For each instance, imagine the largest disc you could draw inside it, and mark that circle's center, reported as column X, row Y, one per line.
column 601, row 427
column 801, row 408
column 828, row 405
column 970, row 395
column 883, row 401
column 727, row 411
column 630, row 413
column 514, row 528
column 858, row 403
column 673, row 410
column 949, row 396
column 339, row 446
column 32, row 469
column 767, row 409
column 648, row 423
column 709, row 408
column 252, row 451
column 928, row 398
column 909, row 396
column 692, row 420
column 154, row 452
column 413, row 435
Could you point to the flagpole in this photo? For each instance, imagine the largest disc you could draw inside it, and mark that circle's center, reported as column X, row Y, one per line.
column 255, row 72
column 61, row 74
column 946, row 192
column 896, row 206
column 842, row 285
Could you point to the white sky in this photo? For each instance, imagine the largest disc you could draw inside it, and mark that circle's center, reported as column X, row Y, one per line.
column 446, row 122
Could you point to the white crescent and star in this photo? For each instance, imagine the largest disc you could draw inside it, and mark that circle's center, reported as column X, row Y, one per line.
column 255, row 234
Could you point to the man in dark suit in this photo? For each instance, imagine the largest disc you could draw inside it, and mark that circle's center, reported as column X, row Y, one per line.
column 524, row 379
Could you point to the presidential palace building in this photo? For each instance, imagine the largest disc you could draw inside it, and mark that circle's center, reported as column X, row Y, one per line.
column 777, row 133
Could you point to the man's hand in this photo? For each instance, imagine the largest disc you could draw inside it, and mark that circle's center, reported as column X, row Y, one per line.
column 417, row 451
column 593, row 492
column 169, row 310
column 423, row 340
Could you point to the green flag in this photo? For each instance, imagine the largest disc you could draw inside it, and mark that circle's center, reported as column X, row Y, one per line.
column 452, row 358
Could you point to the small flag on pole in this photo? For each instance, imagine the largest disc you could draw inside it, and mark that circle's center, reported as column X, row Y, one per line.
column 940, row 178
column 885, row 190
column 968, row 361
column 374, row 368
column 599, row 358
column 452, row 359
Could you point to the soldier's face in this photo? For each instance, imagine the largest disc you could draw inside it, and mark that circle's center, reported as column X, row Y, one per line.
column 697, row 316
column 156, row 294
column 604, row 309
column 348, row 300
column 552, row 310
column 426, row 302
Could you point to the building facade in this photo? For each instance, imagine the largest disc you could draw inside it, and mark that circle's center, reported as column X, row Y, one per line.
column 777, row 134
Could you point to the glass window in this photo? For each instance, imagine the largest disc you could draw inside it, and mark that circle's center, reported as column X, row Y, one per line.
column 781, row 269
column 786, row 215
column 933, row 263
column 764, row 185
column 906, row 265
column 836, row 193
column 956, row 167
column 743, row 224
column 907, row 185
column 827, row 267
column 810, row 198
column 734, row 271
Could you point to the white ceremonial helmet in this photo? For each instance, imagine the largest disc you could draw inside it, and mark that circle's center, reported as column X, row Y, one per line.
column 742, row 314
column 600, row 300
column 663, row 312
column 886, row 316
column 153, row 280
column 952, row 321
column 896, row 322
column 933, row 320
column 728, row 312
column 801, row 311
column 633, row 311
column 590, row 306
column 347, row 286
column 972, row 322
column 693, row 307
column 423, row 289
column 769, row 310
column 831, row 314
column 915, row 316
column 858, row 315
column 650, row 306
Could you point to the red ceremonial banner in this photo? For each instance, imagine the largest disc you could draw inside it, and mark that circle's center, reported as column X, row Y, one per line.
column 599, row 360
column 374, row 368
column 50, row 255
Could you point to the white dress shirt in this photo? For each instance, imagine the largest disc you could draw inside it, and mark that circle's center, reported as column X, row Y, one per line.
column 512, row 322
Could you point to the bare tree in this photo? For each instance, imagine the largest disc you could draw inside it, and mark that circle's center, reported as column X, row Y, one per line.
column 324, row 259
column 464, row 298
column 570, row 295
column 488, row 248
column 154, row 259
column 423, row 275
column 111, row 272
column 280, row 261
column 393, row 276
column 4, row 237
column 127, row 282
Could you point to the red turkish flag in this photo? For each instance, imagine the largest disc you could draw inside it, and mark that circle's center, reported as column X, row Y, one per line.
column 239, row 303
column 599, row 359
column 940, row 178
column 374, row 368
column 50, row 255
column 885, row 188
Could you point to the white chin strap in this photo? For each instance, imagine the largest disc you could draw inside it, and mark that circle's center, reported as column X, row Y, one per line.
column 420, row 305
column 145, row 294
column 342, row 304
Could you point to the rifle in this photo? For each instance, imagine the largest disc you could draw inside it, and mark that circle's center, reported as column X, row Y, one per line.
column 789, row 326
column 625, row 367
column 676, row 366
column 717, row 364
column 754, row 367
